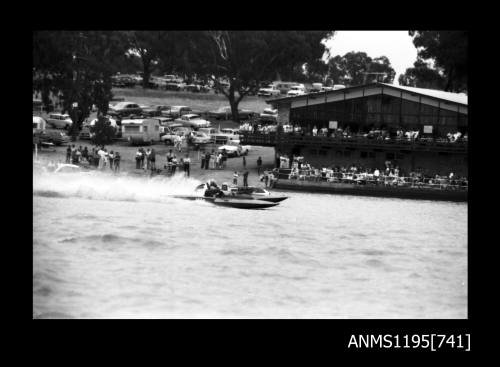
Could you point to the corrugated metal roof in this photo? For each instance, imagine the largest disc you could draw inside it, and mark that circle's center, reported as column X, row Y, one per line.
column 448, row 96
column 459, row 98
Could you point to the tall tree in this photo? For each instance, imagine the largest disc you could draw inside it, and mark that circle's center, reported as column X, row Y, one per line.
column 448, row 49
column 355, row 68
column 246, row 58
column 422, row 76
column 155, row 48
column 77, row 66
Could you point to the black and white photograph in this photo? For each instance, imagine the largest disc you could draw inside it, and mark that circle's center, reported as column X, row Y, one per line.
column 250, row 174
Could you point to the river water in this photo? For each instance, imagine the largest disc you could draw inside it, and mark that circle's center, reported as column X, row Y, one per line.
column 120, row 247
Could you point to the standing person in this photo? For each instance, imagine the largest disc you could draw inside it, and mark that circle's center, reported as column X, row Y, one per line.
column 68, row 154
column 111, row 157
column 85, row 154
column 106, row 158
column 266, row 178
column 178, row 141
column 218, row 161
column 244, row 162
column 202, row 160
column 187, row 162
column 78, row 154
column 138, row 155
column 170, row 155
column 245, row 178
column 143, row 157
column 207, row 160
column 174, row 164
column 259, row 164
column 101, row 154
column 148, row 158
column 235, row 178
column 117, row 162
column 152, row 159
column 212, row 160
column 96, row 157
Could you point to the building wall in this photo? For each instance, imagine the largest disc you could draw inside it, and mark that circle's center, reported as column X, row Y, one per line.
column 283, row 114
column 379, row 111
column 428, row 162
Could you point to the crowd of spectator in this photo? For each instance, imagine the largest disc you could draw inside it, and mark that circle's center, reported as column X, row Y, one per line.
column 389, row 175
column 98, row 157
column 381, row 134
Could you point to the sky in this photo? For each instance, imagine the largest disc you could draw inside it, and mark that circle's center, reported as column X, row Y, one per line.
column 396, row 45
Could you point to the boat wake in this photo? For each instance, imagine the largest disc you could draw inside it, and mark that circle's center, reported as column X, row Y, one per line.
column 111, row 188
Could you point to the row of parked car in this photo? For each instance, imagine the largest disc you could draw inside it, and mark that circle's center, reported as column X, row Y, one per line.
column 167, row 82
column 291, row 89
column 122, row 109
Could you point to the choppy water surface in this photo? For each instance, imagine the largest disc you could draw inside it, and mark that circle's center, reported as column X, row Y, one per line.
column 109, row 247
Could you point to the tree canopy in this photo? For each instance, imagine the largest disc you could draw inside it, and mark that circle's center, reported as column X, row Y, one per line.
column 422, row 76
column 355, row 68
column 246, row 58
column 448, row 49
column 76, row 66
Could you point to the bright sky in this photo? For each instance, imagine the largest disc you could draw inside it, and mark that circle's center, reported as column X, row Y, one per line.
column 396, row 45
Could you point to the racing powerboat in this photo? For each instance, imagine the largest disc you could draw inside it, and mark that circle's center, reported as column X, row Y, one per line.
column 245, row 192
column 235, row 197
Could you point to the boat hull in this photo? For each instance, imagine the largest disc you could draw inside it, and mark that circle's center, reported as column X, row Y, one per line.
column 244, row 203
column 240, row 203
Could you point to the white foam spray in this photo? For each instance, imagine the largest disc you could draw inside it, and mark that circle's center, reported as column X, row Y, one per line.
column 105, row 186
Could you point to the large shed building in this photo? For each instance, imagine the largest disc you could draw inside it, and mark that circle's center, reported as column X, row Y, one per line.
column 375, row 106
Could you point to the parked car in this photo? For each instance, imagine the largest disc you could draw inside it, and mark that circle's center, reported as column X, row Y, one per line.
column 154, row 110
column 198, row 138
column 158, row 82
column 170, row 135
column 208, row 130
column 316, row 87
column 269, row 91
column 164, row 121
column 235, row 150
column 176, row 111
column 54, row 137
column 269, row 115
column 226, row 114
column 230, row 131
column 59, row 121
column 296, row 90
column 193, row 120
column 177, row 86
column 123, row 81
column 39, row 124
column 197, row 88
column 125, row 109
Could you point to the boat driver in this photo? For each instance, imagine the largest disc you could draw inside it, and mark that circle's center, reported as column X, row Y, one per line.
column 213, row 190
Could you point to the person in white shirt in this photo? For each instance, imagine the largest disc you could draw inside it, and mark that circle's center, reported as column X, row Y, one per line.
column 138, row 156
column 101, row 154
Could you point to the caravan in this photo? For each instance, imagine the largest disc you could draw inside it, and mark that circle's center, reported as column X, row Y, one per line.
column 39, row 124
column 141, row 131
